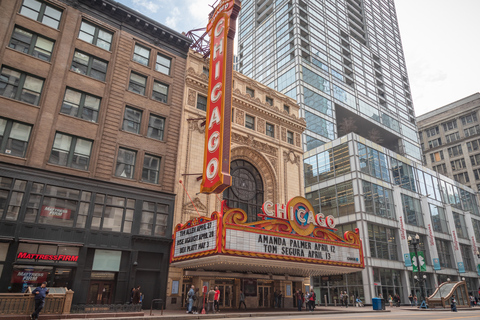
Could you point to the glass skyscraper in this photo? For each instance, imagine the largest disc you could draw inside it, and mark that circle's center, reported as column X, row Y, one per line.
column 342, row 60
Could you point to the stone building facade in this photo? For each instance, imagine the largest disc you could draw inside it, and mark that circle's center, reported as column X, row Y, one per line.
column 91, row 98
column 266, row 164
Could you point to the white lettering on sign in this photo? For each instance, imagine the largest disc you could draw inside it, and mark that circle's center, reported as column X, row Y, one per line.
column 282, row 246
column 196, row 239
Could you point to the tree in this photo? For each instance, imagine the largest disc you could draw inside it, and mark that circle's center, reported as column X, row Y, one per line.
column 346, row 126
column 375, row 136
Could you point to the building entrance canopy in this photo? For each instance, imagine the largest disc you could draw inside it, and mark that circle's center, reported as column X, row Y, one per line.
column 289, row 240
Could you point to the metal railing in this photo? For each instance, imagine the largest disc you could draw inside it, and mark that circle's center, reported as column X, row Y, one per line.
column 160, row 301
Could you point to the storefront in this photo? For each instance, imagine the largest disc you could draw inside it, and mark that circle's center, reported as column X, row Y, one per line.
column 266, row 259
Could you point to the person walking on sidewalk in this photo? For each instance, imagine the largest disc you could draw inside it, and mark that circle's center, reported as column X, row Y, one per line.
column 453, row 304
column 242, row 300
column 40, row 294
column 217, row 299
column 311, row 300
column 190, row 295
column 299, row 298
column 345, row 299
column 211, row 301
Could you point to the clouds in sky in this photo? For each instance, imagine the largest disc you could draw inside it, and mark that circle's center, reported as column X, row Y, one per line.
column 151, row 6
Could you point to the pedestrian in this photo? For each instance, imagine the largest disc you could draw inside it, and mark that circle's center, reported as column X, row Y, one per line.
column 136, row 296
column 217, row 299
column 398, row 299
column 415, row 300
column 299, row 298
column 131, row 295
column 242, row 300
column 211, row 301
column 390, row 300
column 410, row 297
column 472, row 301
column 40, row 294
column 345, row 299
column 279, row 299
column 190, row 295
column 341, row 299
column 312, row 300
column 196, row 299
column 453, row 304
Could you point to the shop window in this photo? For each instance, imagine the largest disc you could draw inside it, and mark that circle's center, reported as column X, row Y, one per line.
column 270, row 130
column 81, row 105
column 11, row 197
column 71, row 151
column 290, row 137
column 132, row 120
column 41, row 12
column 163, row 64
column 20, row 86
column 113, row 213
column 125, row 163
column 249, row 122
column 141, row 55
column 95, row 35
column 154, row 219
column 156, row 127
column 138, row 83
column 160, row 92
column 89, row 65
column 14, row 137
column 201, row 102
column 31, row 43
column 151, row 169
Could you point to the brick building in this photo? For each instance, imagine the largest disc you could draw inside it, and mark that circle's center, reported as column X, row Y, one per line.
column 91, row 96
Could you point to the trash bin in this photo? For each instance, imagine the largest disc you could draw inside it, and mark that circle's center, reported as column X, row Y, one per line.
column 383, row 304
column 377, row 304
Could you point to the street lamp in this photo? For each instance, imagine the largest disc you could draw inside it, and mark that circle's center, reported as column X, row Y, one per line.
column 421, row 279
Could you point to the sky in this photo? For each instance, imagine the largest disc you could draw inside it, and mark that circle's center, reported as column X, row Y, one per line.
column 440, row 38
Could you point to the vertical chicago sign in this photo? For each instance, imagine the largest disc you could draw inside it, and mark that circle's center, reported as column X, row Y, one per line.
column 216, row 166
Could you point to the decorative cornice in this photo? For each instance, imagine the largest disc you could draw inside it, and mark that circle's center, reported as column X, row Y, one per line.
column 250, row 141
column 290, row 156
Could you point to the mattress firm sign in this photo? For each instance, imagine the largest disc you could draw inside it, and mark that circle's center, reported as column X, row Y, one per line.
column 196, row 239
column 251, row 242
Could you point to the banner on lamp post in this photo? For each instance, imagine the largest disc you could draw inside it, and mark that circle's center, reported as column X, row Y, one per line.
column 421, row 262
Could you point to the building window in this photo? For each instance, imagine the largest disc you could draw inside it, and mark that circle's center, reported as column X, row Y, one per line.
column 455, row 151
column 14, row 137
column 269, row 101
column 432, row 131
column 468, row 132
column 156, row 127
column 461, row 177
column 473, row 145
column 141, row 55
column 467, row 257
column 290, row 137
column 151, row 169
column 206, row 72
column 476, row 173
column 378, row 200
column 154, row 219
column 249, row 122
column 475, row 159
column 469, row 118
column 71, row 151
column 270, row 130
column 95, row 35
column 460, row 225
column 89, row 65
column 202, row 102
column 286, row 108
column 31, row 43
column 439, row 220
column 160, row 92
column 41, row 12
column 20, row 86
column 113, row 213
column 373, row 162
column 476, row 228
column 437, row 156
column 441, row 168
column 80, row 105
column 163, row 64
column 125, row 163
column 382, row 242
column 452, row 137
column 251, row 92
column 458, row 164
column 434, row 143
column 137, row 84
column 444, row 253
column 412, row 210
column 450, row 125
column 132, row 120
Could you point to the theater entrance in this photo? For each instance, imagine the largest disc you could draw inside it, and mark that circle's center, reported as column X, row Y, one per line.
column 264, row 296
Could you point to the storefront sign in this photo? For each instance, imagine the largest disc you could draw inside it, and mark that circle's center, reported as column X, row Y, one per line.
column 19, row 276
column 50, row 257
column 408, row 261
column 54, row 212
column 221, row 29
column 196, row 239
column 402, row 229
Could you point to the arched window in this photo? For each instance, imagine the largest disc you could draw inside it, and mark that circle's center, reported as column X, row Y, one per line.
column 246, row 191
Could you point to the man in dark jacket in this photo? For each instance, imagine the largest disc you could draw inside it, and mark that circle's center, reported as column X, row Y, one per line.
column 40, row 294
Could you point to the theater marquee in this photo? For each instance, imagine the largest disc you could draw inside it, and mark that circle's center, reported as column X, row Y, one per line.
column 288, row 233
column 221, row 29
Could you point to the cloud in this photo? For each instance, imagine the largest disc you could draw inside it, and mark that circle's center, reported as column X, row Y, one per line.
column 199, row 11
column 151, row 6
column 172, row 19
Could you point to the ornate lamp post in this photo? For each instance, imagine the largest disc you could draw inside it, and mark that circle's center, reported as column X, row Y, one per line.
column 420, row 279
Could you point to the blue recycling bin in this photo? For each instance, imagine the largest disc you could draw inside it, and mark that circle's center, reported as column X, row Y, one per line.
column 377, row 304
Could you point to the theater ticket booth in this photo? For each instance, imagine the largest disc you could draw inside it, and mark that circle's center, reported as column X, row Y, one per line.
column 276, row 254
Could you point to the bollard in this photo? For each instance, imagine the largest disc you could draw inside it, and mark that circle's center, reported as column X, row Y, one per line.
column 325, row 297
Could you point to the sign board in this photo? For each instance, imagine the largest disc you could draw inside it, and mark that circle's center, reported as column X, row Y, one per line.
column 415, row 263
column 199, row 238
column 50, row 257
column 54, row 212
column 216, row 166
column 461, row 267
column 408, row 261
column 20, row 276
column 436, row 264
